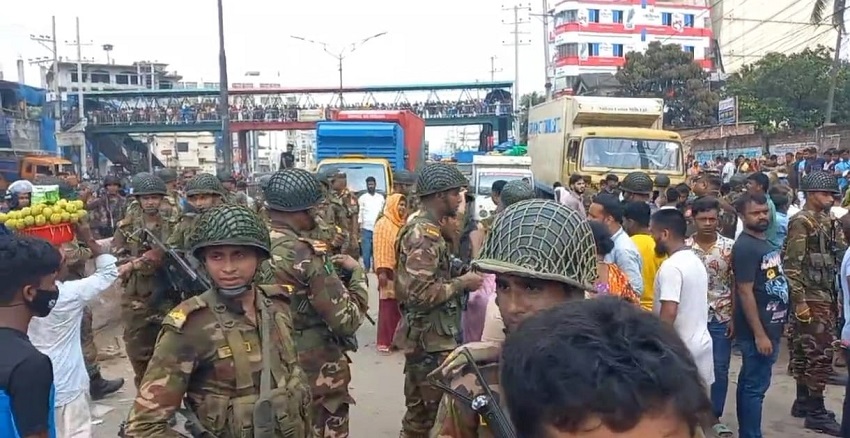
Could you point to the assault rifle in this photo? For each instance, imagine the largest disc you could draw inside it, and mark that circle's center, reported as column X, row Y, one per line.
column 486, row 405
column 184, row 278
column 837, row 256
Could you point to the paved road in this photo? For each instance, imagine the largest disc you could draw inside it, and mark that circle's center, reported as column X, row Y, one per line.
column 377, row 387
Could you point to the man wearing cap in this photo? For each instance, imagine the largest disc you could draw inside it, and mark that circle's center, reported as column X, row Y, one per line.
column 545, row 227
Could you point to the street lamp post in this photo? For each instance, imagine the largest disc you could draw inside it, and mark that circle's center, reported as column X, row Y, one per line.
column 341, row 54
column 224, row 107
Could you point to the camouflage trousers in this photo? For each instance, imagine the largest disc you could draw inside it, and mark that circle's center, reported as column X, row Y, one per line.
column 420, row 397
column 142, row 322
column 812, row 347
column 327, row 424
column 87, row 341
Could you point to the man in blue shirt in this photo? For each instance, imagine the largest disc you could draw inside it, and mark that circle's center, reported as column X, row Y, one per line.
column 841, row 169
column 28, row 269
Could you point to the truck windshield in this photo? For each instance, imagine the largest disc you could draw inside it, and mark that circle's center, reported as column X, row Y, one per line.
column 486, row 179
column 626, row 153
column 356, row 174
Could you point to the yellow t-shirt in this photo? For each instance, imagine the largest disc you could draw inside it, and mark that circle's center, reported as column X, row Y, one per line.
column 651, row 262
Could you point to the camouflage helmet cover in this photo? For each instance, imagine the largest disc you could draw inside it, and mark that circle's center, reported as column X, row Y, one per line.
column 168, row 175
column 439, row 177
column 404, row 176
column 263, row 181
column 819, row 181
column 540, row 239
column 662, row 181
column 516, row 191
column 148, row 184
column 638, row 183
column 325, row 174
column 111, row 180
column 204, row 184
column 229, row 224
column 292, row 189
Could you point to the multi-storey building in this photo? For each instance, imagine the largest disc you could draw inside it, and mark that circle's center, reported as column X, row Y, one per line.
column 104, row 77
column 593, row 36
column 186, row 150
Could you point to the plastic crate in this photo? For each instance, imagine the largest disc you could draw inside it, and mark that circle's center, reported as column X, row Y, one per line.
column 55, row 234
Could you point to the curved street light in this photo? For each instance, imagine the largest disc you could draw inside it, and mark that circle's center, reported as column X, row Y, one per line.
column 341, row 54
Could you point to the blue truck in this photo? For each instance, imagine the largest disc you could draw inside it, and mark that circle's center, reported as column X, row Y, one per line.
column 361, row 150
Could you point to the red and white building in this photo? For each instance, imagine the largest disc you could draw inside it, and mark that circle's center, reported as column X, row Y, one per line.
column 593, row 36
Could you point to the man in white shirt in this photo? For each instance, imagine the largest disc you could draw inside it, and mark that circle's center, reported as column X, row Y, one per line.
column 58, row 336
column 681, row 294
column 371, row 204
column 727, row 171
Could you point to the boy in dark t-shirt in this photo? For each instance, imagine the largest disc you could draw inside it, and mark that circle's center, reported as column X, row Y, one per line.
column 28, row 269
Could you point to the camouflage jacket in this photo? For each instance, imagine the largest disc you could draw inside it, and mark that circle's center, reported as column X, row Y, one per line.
column 429, row 298
column 106, row 211
column 130, row 241
column 236, row 198
column 325, row 311
column 178, row 239
column 212, row 355
column 455, row 419
column 809, row 259
column 169, row 207
column 331, row 235
column 728, row 220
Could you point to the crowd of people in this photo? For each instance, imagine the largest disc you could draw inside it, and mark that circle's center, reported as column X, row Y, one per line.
column 643, row 285
column 177, row 111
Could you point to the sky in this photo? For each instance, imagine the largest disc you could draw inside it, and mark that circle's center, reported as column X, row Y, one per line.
column 427, row 42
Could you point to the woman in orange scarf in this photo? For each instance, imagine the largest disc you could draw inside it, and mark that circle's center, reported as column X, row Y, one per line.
column 383, row 248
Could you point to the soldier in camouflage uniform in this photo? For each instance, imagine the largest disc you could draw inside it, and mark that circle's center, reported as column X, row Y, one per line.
column 170, row 202
column 142, row 308
column 331, row 217
column 327, row 310
column 544, row 227
column 231, row 195
column 810, row 265
column 203, row 192
column 169, row 177
column 108, row 209
column 339, row 187
column 637, row 186
column 430, row 299
column 229, row 348
column 404, row 182
column 729, row 222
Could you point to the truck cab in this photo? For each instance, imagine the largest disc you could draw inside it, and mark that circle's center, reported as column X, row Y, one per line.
column 357, row 169
column 33, row 167
column 597, row 136
column 487, row 169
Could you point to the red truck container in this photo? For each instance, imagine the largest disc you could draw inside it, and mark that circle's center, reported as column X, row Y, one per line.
column 412, row 124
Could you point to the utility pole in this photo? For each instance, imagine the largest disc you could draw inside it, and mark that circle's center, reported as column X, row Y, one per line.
column 224, row 98
column 53, row 47
column 833, row 75
column 80, row 95
column 493, row 69
column 517, row 42
column 548, row 61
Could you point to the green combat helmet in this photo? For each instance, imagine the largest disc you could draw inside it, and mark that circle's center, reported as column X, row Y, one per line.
column 168, row 175
column 638, row 183
column 515, row 191
column 226, row 177
column 292, row 189
column 662, row 181
column 404, row 176
column 229, row 225
column 204, row 184
column 541, row 239
column 264, row 181
column 819, row 182
column 439, row 177
column 148, row 184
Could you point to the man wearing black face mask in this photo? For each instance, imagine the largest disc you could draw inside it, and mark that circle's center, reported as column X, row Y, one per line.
column 28, row 269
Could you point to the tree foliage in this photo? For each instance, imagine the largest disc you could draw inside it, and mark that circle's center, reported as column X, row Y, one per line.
column 525, row 103
column 788, row 92
column 668, row 72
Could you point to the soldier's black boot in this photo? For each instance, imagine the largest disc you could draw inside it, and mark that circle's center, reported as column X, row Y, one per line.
column 100, row 387
column 800, row 408
column 821, row 420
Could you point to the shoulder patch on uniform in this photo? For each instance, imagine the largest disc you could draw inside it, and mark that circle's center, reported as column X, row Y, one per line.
column 321, row 248
column 277, row 290
column 177, row 317
column 125, row 222
column 432, row 230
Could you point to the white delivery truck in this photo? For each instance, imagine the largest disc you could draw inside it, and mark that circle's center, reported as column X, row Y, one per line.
column 597, row 136
column 487, row 169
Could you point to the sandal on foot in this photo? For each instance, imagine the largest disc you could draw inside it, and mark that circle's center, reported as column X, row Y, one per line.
column 722, row 431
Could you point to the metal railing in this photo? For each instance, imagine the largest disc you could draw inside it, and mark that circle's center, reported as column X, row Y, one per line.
column 193, row 115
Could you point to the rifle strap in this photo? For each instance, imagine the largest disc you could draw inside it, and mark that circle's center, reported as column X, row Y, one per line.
column 266, row 323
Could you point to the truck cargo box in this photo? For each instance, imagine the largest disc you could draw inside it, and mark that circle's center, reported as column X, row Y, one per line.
column 366, row 140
